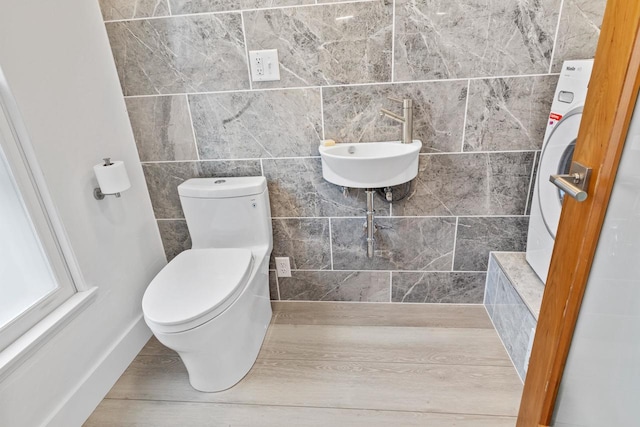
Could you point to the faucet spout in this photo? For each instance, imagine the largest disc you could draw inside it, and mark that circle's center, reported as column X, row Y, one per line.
column 391, row 115
column 406, row 119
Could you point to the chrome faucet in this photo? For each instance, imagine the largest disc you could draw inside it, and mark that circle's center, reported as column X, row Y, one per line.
column 406, row 119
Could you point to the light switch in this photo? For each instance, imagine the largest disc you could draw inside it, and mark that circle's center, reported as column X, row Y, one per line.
column 264, row 65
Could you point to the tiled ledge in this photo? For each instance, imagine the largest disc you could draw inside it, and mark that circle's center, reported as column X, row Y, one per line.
column 513, row 295
column 523, row 279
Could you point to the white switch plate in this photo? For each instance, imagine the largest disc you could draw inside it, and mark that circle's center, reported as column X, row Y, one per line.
column 283, row 268
column 264, row 65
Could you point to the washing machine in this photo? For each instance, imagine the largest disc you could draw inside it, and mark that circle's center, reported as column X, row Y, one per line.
column 555, row 158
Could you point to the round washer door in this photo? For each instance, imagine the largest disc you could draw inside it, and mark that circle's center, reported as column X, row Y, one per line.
column 556, row 159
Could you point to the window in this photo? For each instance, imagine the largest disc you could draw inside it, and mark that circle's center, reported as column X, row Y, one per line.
column 34, row 276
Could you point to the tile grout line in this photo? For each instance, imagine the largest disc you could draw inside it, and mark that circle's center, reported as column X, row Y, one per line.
column 478, row 152
column 408, row 82
column 531, row 183
column 262, row 171
column 417, row 304
column 395, row 217
column 245, row 159
column 322, row 112
column 221, row 12
column 391, row 271
column 393, row 41
column 390, row 286
column 246, row 49
column 331, row 244
column 555, row 39
column 452, row 153
column 466, row 112
column 455, row 239
column 193, row 129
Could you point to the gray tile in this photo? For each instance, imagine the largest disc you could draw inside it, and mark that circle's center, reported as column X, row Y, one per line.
column 351, row 114
column 534, row 177
column 180, row 54
column 477, row 236
column 513, row 322
column 128, row 9
column 297, row 189
column 523, row 279
column 273, row 286
column 508, row 114
column 304, row 241
column 162, row 128
column 469, row 184
column 200, row 6
column 458, row 288
column 327, row 44
column 438, row 39
column 335, row 286
column 401, row 244
column 491, row 287
column 279, row 123
column 508, row 317
column 175, row 237
column 163, row 180
column 578, row 31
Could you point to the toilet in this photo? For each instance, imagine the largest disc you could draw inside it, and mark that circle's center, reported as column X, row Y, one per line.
column 211, row 303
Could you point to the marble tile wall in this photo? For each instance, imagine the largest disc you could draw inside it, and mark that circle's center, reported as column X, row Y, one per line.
column 481, row 74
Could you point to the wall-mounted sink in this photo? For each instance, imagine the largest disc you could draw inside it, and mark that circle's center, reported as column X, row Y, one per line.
column 370, row 164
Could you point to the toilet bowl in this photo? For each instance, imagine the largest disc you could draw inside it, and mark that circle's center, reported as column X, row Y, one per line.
column 211, row 303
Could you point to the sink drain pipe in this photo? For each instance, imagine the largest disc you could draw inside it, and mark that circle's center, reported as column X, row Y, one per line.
column 369, row 226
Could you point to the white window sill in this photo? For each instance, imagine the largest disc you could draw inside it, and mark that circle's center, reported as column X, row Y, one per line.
column 18, row 351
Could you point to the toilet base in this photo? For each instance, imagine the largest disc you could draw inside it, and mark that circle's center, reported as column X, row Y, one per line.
column 219, row 353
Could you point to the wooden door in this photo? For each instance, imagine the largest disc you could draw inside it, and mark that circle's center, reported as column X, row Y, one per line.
column 608, row 109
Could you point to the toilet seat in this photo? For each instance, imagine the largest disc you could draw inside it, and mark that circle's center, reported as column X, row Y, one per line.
column 195, row 287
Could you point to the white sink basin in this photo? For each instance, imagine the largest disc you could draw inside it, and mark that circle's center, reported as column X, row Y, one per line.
column 370, row 164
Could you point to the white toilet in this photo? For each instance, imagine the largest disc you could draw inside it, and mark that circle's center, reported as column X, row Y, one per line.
column 211, row 303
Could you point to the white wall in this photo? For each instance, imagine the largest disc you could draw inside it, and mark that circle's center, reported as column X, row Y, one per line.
column 57, row 59
column 601, row 383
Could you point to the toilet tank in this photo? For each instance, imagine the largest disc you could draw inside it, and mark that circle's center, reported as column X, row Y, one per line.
column 227, row 212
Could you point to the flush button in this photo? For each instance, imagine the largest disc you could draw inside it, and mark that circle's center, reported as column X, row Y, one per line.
column 219, row 181
column 565, row 96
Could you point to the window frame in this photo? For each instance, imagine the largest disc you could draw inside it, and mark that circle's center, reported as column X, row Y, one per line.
column 29, row 180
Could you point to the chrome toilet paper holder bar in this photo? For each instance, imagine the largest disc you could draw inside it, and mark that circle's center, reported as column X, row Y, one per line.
column 99, row 195
column 575, row 183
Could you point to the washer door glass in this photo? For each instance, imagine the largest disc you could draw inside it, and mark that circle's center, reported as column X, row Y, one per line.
column 556, row 159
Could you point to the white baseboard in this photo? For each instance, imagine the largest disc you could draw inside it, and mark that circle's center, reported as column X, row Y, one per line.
column 82, row 401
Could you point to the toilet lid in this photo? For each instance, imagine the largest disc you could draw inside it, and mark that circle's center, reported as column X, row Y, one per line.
column 198, row 283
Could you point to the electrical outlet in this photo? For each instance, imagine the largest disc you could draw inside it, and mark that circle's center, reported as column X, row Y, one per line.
column 283, row 268
column 264, row 65
column 259, row 66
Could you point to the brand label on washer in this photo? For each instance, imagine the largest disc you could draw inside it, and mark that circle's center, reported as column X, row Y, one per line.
column 554, row 118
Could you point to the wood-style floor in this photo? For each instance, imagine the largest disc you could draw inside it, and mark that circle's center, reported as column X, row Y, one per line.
column 338, row 364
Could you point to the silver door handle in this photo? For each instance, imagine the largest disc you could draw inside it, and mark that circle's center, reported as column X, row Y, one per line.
column 575, row 183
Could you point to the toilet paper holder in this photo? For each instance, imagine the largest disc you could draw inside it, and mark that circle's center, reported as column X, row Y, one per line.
column 99, row 195
column 115, row 179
